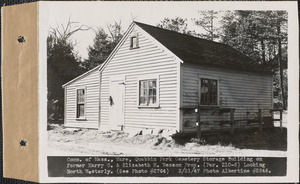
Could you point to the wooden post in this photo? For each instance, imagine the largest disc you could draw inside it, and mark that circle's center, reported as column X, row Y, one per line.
column 232, row 121
column 260, row 120
column 272, row 113
column 198, row 119
column 280, row 120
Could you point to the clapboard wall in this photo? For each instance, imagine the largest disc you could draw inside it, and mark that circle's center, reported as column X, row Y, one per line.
column 148, row 59
column 91, row 83
column 244, row 91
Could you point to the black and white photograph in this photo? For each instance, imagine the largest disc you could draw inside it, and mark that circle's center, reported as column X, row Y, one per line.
column 141, row 87
column 152, row 81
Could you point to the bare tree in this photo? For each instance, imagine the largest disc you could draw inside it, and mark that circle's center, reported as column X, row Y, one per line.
column 63, row 64
column 64, row 32
column 115, row 31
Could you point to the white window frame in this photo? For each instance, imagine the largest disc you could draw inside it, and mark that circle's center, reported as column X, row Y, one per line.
column 143, row 78
column 76, row 105
column 137, row 41
column 218, row 89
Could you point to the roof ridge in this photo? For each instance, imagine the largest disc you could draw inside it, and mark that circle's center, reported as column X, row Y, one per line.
column 193, row 37
column 193, row 49
column 167, row 30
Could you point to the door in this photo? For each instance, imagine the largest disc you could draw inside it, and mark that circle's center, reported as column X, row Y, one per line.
column 116, row 104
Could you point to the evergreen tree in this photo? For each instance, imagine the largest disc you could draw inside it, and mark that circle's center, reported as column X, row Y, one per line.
column 103, row 45
column 100, row 50
column 207, row 21
column 63, row 65
column 261, row 35
column 176, row 24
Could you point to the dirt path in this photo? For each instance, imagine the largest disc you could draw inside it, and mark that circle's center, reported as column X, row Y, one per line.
column 91, row 142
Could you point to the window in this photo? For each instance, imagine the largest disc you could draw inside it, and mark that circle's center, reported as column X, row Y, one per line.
column 148, row 92
column 80, row 103
column 134, row 43
column 209, row 92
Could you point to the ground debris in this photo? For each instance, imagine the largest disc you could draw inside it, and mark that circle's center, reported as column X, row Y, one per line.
column 132, row 133
column 89, row 141
column 67, row 131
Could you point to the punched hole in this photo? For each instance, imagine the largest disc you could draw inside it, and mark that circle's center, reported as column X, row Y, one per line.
column 23, row 142
column 21, row 39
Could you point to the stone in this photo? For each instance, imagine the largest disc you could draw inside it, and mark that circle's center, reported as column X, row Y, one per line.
column 156, row 131
column 146, row 131
column 132, row 133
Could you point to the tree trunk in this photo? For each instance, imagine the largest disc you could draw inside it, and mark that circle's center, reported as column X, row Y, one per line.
column 212, row 25
column 281, row 67
column 263, row 55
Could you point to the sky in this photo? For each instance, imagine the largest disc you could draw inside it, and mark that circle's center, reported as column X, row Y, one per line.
column 100, row 14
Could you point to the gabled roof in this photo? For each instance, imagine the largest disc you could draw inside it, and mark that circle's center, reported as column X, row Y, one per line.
column 190, row 49
column 200, row 51
column 81, row 76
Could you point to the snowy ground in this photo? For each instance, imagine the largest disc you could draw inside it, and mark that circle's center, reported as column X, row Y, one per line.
column 71, row 142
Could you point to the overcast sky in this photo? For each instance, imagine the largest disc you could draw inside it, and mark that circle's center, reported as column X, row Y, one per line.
column 99, row 14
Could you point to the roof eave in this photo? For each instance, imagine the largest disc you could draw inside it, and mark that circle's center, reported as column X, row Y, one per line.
column 117, row 47
column 80, row 76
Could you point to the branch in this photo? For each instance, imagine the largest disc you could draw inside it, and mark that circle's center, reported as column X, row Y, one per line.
column 133, row 17
column 64, row 32
column 78, row 29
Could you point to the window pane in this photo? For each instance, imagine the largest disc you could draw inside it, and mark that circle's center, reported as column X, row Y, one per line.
column 80, row 96
column 81, row 110
column 214, row 84
column 134, row 42
column 142, row 100
column 154, row 84
column 150, row 100
column 144, row 84
column 147, row 95
column 209, row 94
column 141, row 85
column 154, row 99
column 150, row 84
column 80, row 103
column 150, row 92
column 143, row 92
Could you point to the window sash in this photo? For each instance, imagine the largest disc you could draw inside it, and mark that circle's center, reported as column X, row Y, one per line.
column 209, row 92
column 148, row 92
column 80, row 110
column 80, row 106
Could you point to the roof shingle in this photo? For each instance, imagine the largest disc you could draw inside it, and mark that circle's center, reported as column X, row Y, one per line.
column 196, row 50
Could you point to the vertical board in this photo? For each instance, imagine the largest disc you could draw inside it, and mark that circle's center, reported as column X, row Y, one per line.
column 116, row 110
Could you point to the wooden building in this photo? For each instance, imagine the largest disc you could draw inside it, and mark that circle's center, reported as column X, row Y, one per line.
column 156, row 78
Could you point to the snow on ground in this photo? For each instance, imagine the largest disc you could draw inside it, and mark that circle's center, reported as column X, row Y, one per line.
column 71, row 142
